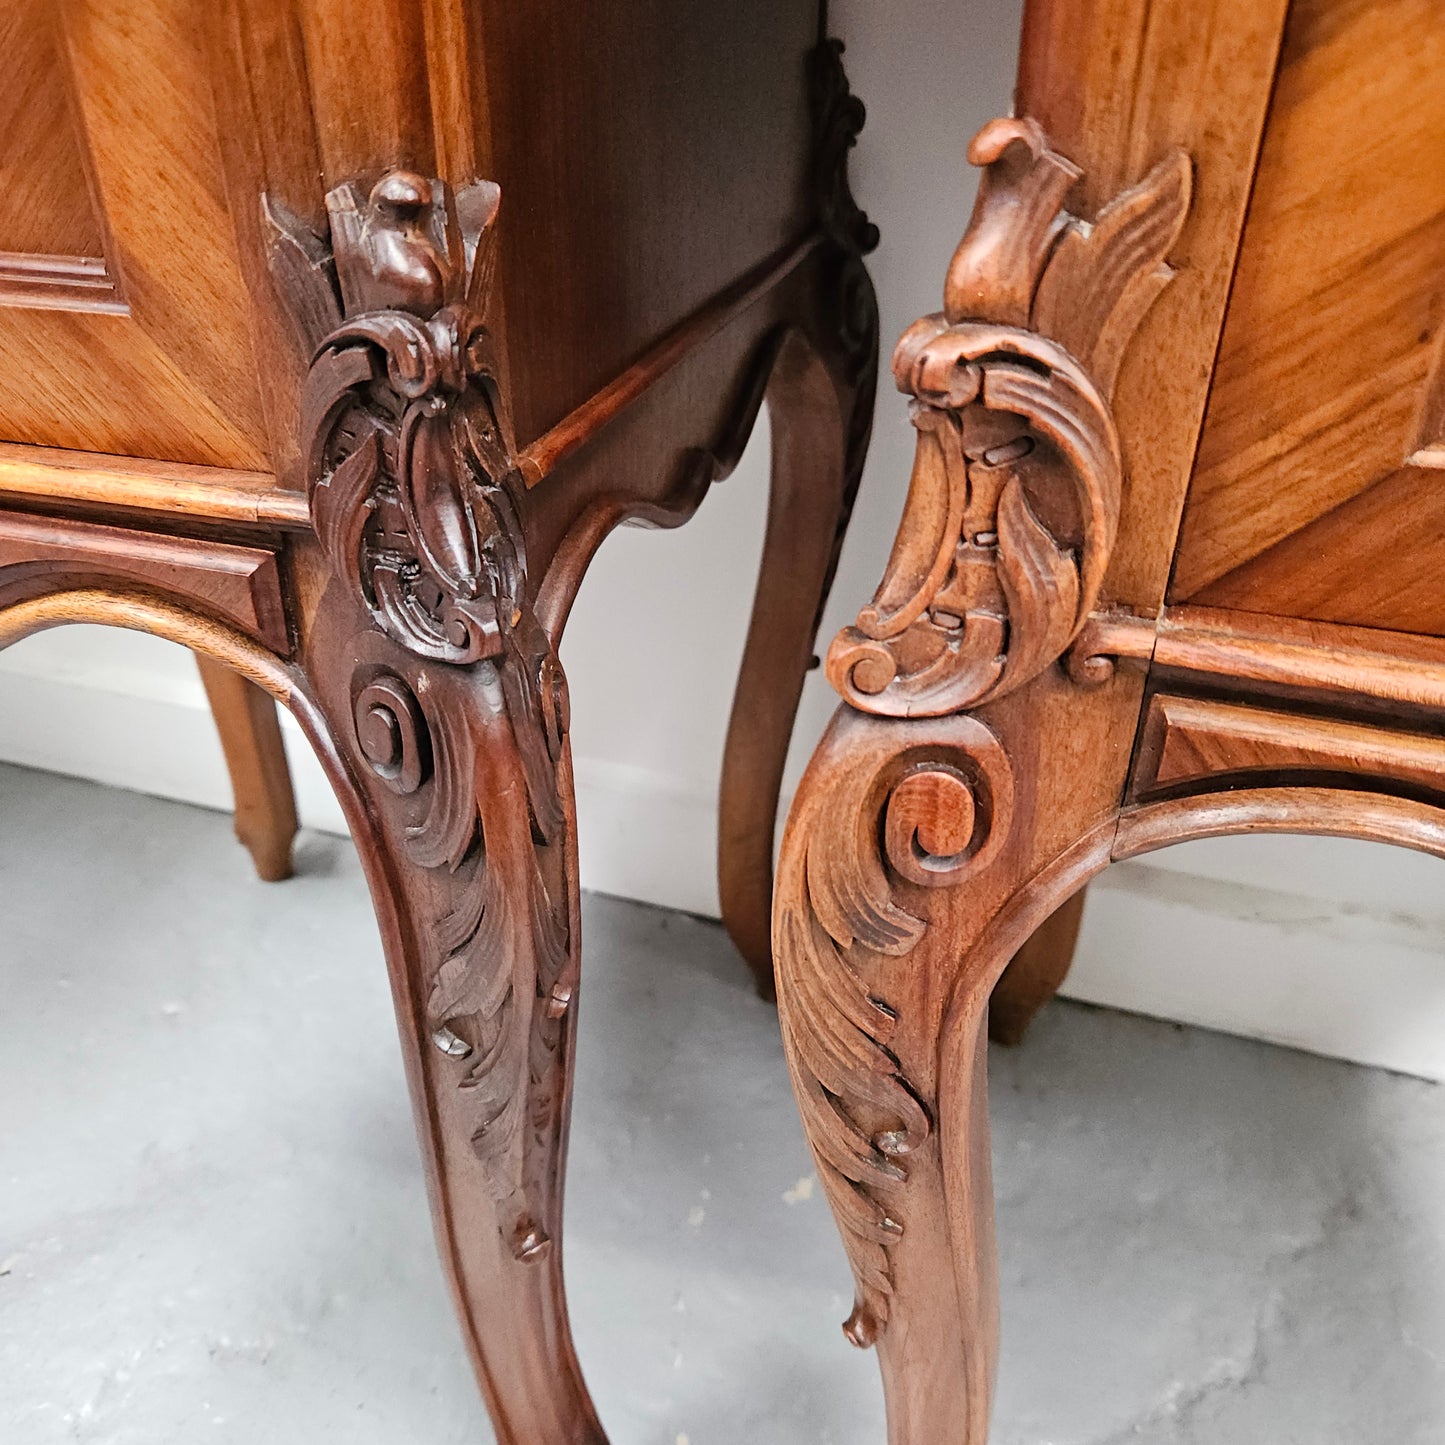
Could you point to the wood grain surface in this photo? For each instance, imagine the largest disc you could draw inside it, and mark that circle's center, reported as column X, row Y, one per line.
column 1304, row 502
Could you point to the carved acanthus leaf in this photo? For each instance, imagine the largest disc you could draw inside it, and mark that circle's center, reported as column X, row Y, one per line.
column 1014, row 503
column 931, row 810
column 459, row 709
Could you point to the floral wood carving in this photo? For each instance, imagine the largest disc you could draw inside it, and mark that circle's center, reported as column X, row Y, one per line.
column 1014, row 500
column 460, row 709
column 930, row 809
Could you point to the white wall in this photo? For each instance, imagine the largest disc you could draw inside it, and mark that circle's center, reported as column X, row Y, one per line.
column 1336, row 947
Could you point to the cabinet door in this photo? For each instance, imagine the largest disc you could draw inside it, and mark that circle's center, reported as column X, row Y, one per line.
column 1319, row 489
column 124, row 317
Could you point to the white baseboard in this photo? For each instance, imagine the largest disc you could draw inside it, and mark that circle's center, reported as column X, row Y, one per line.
column 1326, row 946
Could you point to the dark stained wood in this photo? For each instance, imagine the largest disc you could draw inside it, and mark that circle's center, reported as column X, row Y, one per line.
column 605, row 76
column 239, row 585
column 808, row 505
column 342, row 313
column 250, row 733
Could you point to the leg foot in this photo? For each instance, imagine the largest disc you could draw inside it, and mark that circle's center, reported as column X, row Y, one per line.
column 256, row 759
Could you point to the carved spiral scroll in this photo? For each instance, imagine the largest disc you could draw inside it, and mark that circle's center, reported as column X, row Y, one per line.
column 929, row 809
column 1014, row 502
column 471, row 805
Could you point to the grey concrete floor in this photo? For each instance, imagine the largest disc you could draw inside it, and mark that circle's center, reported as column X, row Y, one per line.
column 213, row 1227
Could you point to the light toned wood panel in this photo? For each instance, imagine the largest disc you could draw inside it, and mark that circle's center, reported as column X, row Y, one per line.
column 157, row 164
column 1115, row 86
column 239, row 585
column 1190, row 740
column 48, row 208
column 175, row 377
column 268, row 144
column 1374, row 561
column 1323, row 369
column 96, row 382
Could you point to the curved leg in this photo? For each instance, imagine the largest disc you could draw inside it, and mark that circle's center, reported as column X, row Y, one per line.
column 814, row 476
column 907, row 878
column 250, row 733
column 462, row 781
column 1035, row 973
column 820, row 405
column 972, row 784
column 444, row 701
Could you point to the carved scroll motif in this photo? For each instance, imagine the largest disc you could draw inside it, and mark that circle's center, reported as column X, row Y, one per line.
column 459, row 710
column 932, row 809
column 1014, row 500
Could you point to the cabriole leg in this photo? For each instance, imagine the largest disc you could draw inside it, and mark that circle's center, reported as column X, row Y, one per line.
column 444, row 699
column 1035, row 973
column 820, row 406
column 465, row 778
column 817, row 455
column 972, row 782
column 250, row 732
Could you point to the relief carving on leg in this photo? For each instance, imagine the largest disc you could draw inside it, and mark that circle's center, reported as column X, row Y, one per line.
column 931, row 808
column 457, row 699
column 1014, row 500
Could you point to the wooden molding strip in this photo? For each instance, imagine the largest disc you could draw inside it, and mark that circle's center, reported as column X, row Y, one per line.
column 68, row 283
column 1331, row 812
column 575, row 430
column 238, row 585
column 1189, row 740
column 1322, row 657
column 168, row 488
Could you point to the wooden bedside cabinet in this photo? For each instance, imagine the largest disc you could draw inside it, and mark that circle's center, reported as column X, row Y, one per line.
column 335, row 340
column 1169, row 567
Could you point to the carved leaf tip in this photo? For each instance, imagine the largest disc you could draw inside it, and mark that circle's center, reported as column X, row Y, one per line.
column 1102, row 278
column 1018, row 474
column 304, row 273
column 1017, row 216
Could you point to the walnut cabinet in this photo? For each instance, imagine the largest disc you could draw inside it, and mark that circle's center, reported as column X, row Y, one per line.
column 1169, row 567
column 334, row 340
